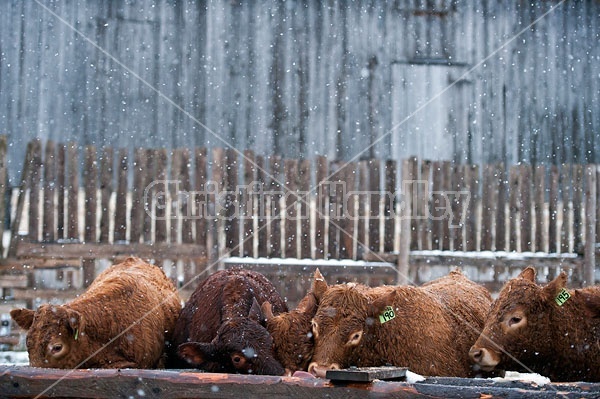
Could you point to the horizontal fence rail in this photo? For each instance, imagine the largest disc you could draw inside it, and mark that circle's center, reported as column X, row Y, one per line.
column 201, row 204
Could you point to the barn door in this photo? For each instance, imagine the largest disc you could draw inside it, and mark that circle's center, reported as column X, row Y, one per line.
column 430, row 111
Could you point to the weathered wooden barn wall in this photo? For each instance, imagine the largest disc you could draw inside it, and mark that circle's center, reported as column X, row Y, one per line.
column 463, row 80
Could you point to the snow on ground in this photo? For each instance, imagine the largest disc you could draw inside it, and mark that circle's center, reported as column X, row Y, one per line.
column 18, row 358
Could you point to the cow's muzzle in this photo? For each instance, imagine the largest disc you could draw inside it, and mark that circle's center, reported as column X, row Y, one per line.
column 320, row 371
column 486, row 359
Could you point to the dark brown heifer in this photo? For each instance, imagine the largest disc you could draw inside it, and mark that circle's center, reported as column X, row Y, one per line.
column 121, row 321
column 292, row 331
column 422, row 328
column 547, row 330
column 221, row 329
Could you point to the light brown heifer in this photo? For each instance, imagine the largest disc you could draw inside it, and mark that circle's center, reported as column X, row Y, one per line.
column 121, row 321
column 544, row 329
column 428, row 329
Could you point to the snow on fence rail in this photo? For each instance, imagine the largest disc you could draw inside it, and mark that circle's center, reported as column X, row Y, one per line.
column 200, row 205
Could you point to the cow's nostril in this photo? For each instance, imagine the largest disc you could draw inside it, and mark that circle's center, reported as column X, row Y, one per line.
column 476, row 354
column 311, row 369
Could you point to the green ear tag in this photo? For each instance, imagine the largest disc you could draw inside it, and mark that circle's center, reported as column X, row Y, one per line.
column 387, row 315
column 562, row 297
column 76, row 334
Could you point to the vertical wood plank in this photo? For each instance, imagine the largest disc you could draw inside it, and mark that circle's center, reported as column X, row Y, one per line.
column 231, row 222
column 185, row 199
column 304, row 177
column 275, row 207
column 160, row 195
column 567, row 218
column 472, row 216
column 525, row 208
column 488, row 207
column 578, row 201
column 553, row 210
column 363, row 208
column 539, row 188
column 414, row 190
column 106, row 190
column 48, row 225
column 23, row 187
column 513, row 207
column 347, row 203
column 174, row 223
column 375, row 196
column 290, row 170
column 90, row 184
column 34, row 191
column 248, row 200
column 424, row 205
column 149, row 190
column 446, row 187
column 438, row 211
column 73, row 192
column 215, row 222
column 321, row 205
column 406, row 194
column 589, row 258
column 389, row 210
column 201, row 197
column 503, row 188
column 333, row 248
column 120, row 234
column 3, row 189
column 458, row 208
column 261, row 206
column 61, row 163
column 137, row 195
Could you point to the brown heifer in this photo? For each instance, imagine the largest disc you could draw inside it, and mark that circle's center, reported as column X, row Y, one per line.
column 221, row 329
column 292, row 331
column 121, row 321
column 547, row 330
column 422, row 328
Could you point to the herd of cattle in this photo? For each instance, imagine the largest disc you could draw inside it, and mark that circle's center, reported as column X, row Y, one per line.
column 236, row 322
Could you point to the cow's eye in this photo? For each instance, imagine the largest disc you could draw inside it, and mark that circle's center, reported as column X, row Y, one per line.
column 238, row 360
column 315, row 328
column 354, row 338
column 514, row 320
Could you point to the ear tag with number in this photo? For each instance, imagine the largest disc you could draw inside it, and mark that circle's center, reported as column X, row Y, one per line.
column 562, row 297
column 387, row 315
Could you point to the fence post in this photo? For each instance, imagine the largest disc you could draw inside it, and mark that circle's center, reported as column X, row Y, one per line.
column 406, row 184
column 589, row 260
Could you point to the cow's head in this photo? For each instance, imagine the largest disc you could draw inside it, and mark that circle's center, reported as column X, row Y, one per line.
column 292, row 331
column 517, row 327
column 54, row 334
column 344, row 317
column 242, row 345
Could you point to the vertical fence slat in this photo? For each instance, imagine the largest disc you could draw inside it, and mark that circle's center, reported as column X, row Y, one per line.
column 578, row 201
column 374, row 220
column 446, row 187
column 48, row 225
column 539, row 188
column 34, row 191
column 389, row 210
column 458, row 227
column 334, row 204
column 161, row 196
column 137, row 195
column 553, row 210
column 525, row 208
column 231, row 223
column 347, row 231
column 91, row 194
column 185, row 206
column 148, row 195
column 3, row 188
column 423, row 209
column 275, row 207
column 437, row 210
column 503, row 185
column 406, row 184
column 173, row 187
column 23, row 187
column 247, row 202
column 61, row 162
column 201, row 198
column 321, row 206
column 261, row 206
column 73, row 192
column 589, row 259
column 363, row 209
column 489, row 202
column 513, row 210
column 304, row 175
column 290, row 170
column 471, row 221
column 121, row 200
column 414, row 190
column 106, row 189
column 567, row 219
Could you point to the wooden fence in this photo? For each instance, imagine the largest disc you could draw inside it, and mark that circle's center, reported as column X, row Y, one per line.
column 80, row 204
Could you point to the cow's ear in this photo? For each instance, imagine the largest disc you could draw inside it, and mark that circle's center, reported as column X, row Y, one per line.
column 308, row 305
column 255, row 313
column 554, row 287
column 267, row 310
column 378, row 305
column 23, row 317
column 319, row 285
column 195, row 353
column 75, row 321
column 528, row 274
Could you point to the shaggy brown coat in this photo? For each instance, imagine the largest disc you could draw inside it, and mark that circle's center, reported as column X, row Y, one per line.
column 526, row 329
column 221, row 329
column 121, row 321
column 292, row 331
column 433, row 327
